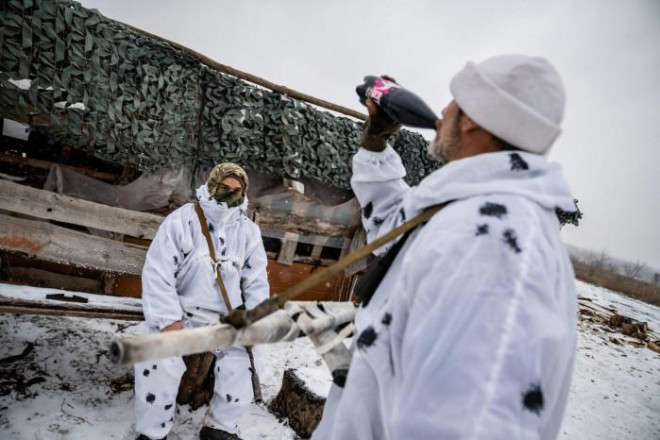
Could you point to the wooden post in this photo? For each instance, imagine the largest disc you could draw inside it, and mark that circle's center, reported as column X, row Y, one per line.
column 288, row 250
column 255, row 79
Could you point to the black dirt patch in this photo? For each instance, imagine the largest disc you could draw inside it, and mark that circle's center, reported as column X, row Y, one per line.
column 518, row 163
column 368, row 210
column 211, row 228
column 162, row 425
column 493, row 210
column 482, row 230
column 185, row 254
column 378, row 221
column 533, row 399
column 189, row 315
column 320, row 306
column 228, row 398
column 151, row 398
column 511, row 239
column 146, row 372
column 168, row 406
column 247, row 264
column 154, row 367
column 176, row 260
column 222, row 240
column 402, row 213
column 367, row 338
column 387, row 319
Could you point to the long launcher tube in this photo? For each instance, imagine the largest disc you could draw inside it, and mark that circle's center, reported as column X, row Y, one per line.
column 277, row 327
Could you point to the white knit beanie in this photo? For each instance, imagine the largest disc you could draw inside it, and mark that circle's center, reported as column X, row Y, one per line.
column 517, row 98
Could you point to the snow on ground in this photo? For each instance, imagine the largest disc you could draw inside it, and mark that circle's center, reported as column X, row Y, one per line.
column 67, row 388
column 615, row 392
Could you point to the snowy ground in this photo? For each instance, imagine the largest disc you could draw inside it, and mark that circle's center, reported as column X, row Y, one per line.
column 67, row 388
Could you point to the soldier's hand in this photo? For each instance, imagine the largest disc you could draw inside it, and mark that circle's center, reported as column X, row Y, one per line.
column 379, row 127
column 178, row 325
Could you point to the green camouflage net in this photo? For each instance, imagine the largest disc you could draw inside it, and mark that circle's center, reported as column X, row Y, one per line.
column 97, row 85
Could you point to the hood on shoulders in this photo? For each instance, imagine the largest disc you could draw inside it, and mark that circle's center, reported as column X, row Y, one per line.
column 507, row 172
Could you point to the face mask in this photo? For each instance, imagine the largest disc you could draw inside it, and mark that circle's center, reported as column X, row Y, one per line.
column 232, row 199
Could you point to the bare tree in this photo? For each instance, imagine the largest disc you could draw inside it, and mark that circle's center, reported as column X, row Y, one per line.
column 601, row 261
column 633, row 270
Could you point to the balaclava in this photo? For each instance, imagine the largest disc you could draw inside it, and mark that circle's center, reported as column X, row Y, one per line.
column 220, row 173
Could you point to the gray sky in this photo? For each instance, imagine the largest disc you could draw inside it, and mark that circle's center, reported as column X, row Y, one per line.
column 607, row 51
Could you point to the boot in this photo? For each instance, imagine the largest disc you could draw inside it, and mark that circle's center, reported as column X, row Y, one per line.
column 208, row 433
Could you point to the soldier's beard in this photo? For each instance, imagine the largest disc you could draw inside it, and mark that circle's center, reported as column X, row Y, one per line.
column 443, row 149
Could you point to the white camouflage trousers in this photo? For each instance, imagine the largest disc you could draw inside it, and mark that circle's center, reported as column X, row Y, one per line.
column 157, row 384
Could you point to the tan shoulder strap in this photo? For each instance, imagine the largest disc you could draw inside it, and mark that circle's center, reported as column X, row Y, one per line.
column 216, row 269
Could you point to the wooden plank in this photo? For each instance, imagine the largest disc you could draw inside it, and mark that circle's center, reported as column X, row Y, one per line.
column 33, row 275
column 318, row 247
column 286, row 221
column 314, row 262
column 60, row 245
column 47, row 205
column 42, row 301
column 281, row 277
column 358, row 241
column 288, row 250
column 30, row 308
column 38, row 163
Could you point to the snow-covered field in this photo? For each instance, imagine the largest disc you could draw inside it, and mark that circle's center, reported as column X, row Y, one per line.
column 67, row 388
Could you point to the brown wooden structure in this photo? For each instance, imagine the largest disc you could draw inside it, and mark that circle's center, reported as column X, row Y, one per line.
column 45, row 239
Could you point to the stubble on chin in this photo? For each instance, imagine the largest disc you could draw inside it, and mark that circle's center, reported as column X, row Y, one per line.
column 438, row 151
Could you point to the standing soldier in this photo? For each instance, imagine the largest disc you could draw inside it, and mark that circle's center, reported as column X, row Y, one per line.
column 182, row 288
column 472, row 332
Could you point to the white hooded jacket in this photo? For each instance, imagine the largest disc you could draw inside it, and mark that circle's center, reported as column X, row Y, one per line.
column 472, row 332
column 178, row 279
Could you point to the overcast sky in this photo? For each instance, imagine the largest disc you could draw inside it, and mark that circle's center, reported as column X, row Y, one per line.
column 607, row 52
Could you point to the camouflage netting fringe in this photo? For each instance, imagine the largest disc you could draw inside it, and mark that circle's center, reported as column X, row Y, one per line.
column 134, row 100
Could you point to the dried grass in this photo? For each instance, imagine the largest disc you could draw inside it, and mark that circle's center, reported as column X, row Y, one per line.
column 606, row 277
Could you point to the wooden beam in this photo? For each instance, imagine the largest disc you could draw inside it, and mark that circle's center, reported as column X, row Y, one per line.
column 33, row 275
column 255, row 79
column 43, row 301
column 286, row 221
column 317, row 248
column 320, row 262
column 36, row 309
column 359, row 240
column 38, row 163
column 288, row 250
column 60, row 245
column 47, row 205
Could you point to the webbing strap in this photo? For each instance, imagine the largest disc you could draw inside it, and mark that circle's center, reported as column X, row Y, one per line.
column 216, row 263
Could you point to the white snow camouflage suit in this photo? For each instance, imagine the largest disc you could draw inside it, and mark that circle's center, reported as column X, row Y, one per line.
column 179, row 284
column 472, row 332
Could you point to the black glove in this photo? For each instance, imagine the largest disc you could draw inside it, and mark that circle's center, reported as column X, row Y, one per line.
column 379, row 127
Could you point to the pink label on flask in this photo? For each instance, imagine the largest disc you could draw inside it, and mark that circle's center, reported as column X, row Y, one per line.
column 379, row 89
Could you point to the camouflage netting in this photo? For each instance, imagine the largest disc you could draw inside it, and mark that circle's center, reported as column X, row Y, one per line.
column 134, row 100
